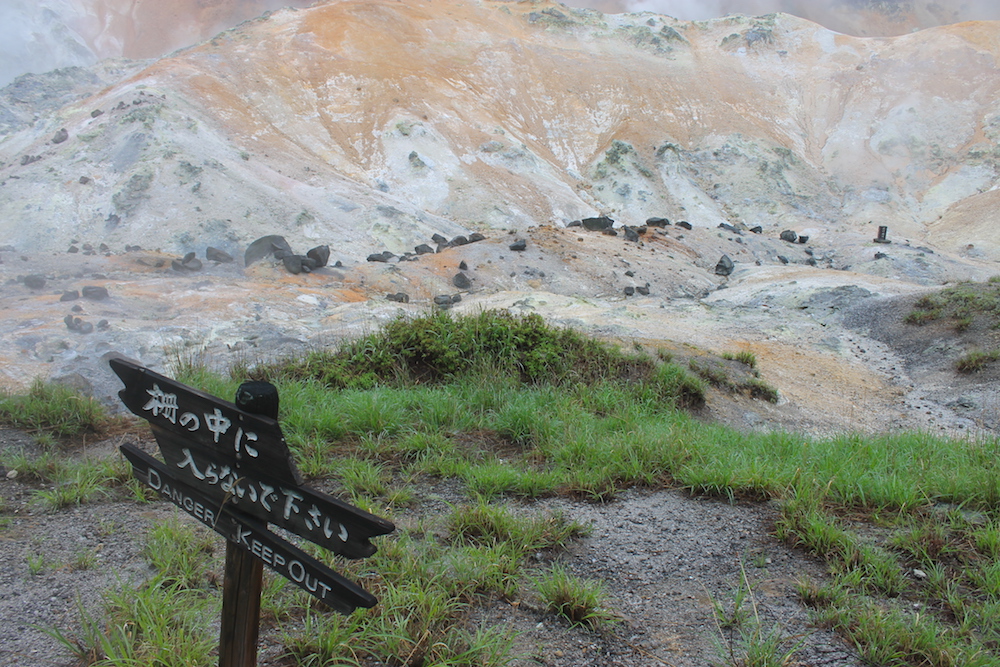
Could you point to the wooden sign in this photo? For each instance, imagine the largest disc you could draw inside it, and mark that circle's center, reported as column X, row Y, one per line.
column 276, row 553
column 234, row 457
column 231, row 469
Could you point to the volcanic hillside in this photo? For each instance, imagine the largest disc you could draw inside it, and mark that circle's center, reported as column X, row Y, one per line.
column 375, row 127
column 376, row 123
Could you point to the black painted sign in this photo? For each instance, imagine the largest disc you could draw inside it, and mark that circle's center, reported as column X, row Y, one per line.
column 276, row 553
column 232, row 470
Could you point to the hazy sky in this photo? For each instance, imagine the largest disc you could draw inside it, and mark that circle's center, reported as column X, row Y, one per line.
column 40, row 35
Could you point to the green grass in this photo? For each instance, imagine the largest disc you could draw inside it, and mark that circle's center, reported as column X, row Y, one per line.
column 52, row 408
column 390, row 420
column 963, row 307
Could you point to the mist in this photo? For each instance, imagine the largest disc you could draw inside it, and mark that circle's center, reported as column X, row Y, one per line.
column 41, row 35
column 927, row 14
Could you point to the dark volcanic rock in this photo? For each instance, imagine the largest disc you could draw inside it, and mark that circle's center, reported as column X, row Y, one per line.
column 70, row 295
column 459, row 240
column 476, row 237
column 642, row 289
column 399, row 297
column 34, row 281
column 60, row 136
column 630, row 290
column 423, row 249
column 320, row 254
column 630, row 234
column 439, row 240
column 757, row 230
column 685, row 224
column 443, row 300
column 293, row 264
column 216, row 255
column 94, row 292
column 598, row 224
column 725, row 266
column 657, row 222
column 265, row 247
column 461, row 281
column 519, row 245
column 789, row 236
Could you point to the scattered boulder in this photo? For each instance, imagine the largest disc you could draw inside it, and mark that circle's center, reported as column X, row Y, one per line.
column 630, row 234
column 78, row 325
column 684, row 224
column 657, row 222
column 384, row 256
column 459, row 240
column 757, row 230
column 34, row 281
column 398, row 297
column 94, row 292
column 642, row 289
column 72, row 249
column 609, row 232
column 60, row 136
column 70, row 295
column 461, row 281
column 293, row 264
column 96, row 112
column 789, row 236
column 782, row 259
column 597, row 224
column 265, row 246
column 803, row 239
column 475, row 237
column 440, row 240
column 103, row 325
column 218, row 256
column 630, row 290
column 881, row 255
column 463, row 266
column 84, row 180
column 729, row 228
column 725, row 266
column 28, row 159
column 575, row 223
column 188, row 263
column 519, row 245
column 443, row 300
column 423, row 249
column 320, row 254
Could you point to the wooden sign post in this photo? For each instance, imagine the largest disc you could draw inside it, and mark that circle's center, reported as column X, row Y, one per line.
column 229, row 467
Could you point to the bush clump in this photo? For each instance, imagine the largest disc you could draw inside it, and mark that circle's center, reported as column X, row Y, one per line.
column 440, row 348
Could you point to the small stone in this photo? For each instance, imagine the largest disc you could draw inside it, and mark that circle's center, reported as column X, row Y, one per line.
column 642, row 289
column 94, row 292
column 684, row 224
column 70, row 295
column 103, row 325
column 789, row 236
column 60, row 136
column 216, row 255
column 84, row 180
column 95, row 113
column 919, row 574
column 630, row 290
column 461, row 281
column 320, row 254
column 34, row 281
column 72, row 249
column 423, row 249
column 459, row 240
column 443, row 300
column 519, row 245
column 725, row 266
column 11, row 474
column 463, row 266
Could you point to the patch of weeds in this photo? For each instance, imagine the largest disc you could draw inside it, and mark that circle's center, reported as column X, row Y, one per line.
column 85, row 559
column 745, row 357
column 53, row 408
column 580, row 601
column 490, row 524
column 37, row 563
column 744, row 638
column 962, row 305
column 972, row 362
column 182, row 552
column 159, row 623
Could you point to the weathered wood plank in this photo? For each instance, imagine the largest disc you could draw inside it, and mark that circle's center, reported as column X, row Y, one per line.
column 250, row 535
